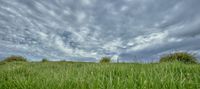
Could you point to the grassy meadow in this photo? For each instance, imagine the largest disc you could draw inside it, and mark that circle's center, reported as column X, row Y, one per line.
column 64, row 75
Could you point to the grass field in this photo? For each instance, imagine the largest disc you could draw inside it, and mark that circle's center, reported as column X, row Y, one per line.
column 63, row 75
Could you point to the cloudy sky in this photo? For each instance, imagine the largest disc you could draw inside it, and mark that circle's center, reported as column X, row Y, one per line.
column 85, row 30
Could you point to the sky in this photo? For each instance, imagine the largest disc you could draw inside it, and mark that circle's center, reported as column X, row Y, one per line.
column 86, row 30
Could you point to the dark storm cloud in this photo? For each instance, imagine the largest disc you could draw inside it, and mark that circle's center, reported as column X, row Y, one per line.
column 90, row 29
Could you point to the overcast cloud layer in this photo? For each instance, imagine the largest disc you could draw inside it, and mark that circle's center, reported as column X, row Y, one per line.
column 85, row 30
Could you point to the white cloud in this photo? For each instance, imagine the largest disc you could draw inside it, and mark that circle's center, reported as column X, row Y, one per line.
column 42, row 35
column 142, row 42
column 113, row 45
column 87, row 2
column 61, row 46
column 124, row 8
column 81, row 16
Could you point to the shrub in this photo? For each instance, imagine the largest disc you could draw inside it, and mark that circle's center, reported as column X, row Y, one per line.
column 15, row 58
column 179, row 56
column 45, row 60
column 105, row 60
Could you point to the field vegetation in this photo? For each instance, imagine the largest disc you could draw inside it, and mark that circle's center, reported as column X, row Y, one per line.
column 75, row 75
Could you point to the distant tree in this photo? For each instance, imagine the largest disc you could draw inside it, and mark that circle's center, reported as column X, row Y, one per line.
column 179, row 56
column 15, row 58
column 105, row 60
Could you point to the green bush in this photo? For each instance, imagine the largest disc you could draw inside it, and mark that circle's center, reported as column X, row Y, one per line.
column 179, row 56
column 45, row 60
column 105, row 60
column 15, row 58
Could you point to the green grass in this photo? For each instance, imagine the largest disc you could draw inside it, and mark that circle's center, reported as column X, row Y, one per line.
column 63, row 75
